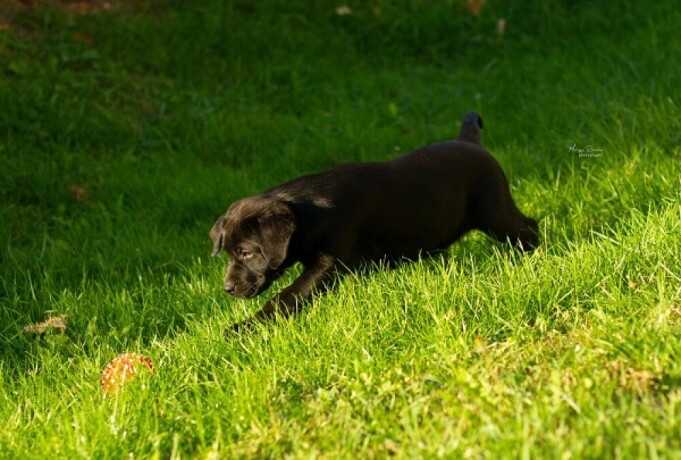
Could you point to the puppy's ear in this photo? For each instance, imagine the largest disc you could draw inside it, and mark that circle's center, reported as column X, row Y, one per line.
column 217, row 234
column 276, row 226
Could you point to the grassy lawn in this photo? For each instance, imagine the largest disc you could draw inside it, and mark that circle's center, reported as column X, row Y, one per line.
column 127, row 128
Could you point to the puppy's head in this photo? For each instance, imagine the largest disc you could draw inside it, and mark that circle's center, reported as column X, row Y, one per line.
column 255, row 232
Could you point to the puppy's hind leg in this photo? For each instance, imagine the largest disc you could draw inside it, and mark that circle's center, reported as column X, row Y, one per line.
column 524, row 233
column 518, row 229
column 499, row 217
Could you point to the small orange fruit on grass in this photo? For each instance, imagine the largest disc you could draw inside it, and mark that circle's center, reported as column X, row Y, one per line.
column 123, row 369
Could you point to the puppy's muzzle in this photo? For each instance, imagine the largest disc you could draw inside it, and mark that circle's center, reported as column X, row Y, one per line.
column 242, row 291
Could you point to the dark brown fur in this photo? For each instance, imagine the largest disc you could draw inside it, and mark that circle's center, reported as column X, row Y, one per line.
column 358, row 212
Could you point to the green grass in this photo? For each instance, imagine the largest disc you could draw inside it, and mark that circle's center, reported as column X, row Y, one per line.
column 164, row 111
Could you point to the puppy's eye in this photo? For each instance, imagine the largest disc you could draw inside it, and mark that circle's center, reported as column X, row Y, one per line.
column 246, row 255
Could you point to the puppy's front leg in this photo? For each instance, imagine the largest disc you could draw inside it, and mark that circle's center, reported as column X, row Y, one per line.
column 315, row 276
column 287, row 302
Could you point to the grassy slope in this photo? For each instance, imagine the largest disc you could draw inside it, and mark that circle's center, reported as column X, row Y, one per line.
column 166, row 113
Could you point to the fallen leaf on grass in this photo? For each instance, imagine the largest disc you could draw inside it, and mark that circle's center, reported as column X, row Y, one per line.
column 55, row 323
column 474, row 6
column 629, row 378
column 81, row 37
column 79, row 193
column 343, row 10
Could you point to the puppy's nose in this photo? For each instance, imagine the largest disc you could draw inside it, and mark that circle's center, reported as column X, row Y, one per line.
column 230, row 288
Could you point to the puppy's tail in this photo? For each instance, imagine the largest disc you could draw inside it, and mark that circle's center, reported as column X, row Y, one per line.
column 470, row 128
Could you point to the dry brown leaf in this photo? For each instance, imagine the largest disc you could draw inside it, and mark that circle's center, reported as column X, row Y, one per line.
column 630, row 378
column 343, row 10
column 81, row 37
column 54, row 323
column 474, row 6
column 79, row 193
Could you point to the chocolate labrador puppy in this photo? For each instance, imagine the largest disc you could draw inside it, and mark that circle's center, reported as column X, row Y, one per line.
column 362, row 212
